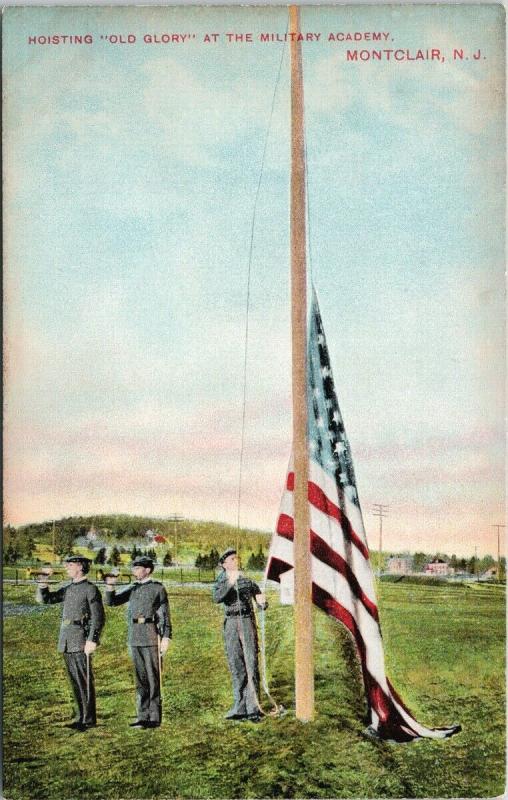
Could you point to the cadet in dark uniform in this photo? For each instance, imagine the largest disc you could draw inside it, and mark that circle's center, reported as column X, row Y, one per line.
column 82, row 622
column 149, row 636
column 240, row 635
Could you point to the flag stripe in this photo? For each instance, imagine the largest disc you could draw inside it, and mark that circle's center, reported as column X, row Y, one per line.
column 332, row 559
column 378, row 698
column 319, row 499
column 330, row 531
column 350, row 509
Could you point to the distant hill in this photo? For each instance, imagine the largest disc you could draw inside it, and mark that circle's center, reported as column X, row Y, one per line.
column 185, row 538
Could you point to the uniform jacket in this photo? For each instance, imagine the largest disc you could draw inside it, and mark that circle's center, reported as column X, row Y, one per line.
column 82, row 614
column 148, row 600
column 237, row 599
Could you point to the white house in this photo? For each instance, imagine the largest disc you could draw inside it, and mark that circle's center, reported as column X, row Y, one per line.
column 399, row 565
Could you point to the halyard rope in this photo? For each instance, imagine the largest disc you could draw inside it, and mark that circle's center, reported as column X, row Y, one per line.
column 244, row 403
column 249, row 269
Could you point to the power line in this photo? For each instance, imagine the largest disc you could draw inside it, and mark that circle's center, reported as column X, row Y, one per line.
column 174, row 518
column 380, row 510
column 498, row 526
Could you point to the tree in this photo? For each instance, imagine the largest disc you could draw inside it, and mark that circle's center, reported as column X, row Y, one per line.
column 471, row 565
column 257, row 561
column 100, row 558
column 64, row 539
column 11, row 555
column 419, row 561
column 167, row 560
column 199, row 561
column 114, row 557
column 29, row 546
column 260, row 558
column 9, row 535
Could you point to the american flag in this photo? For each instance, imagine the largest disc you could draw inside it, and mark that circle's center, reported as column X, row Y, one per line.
column 342, row 578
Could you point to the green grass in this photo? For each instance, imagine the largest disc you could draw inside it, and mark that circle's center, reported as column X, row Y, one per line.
column 444, row 651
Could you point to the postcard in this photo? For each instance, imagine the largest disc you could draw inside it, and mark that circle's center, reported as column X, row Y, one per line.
column 237, row 238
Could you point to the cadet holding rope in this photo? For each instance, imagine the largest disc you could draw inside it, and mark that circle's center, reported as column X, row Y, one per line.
column 82, row 622
column 149, row 636
column 240, row 636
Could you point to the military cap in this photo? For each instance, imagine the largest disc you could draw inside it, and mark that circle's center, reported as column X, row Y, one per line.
column 78, row 560
column 229, row 552
column 143, row 561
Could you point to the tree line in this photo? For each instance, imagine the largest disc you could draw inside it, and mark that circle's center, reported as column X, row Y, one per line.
column 471, row 565
column 256, row 561
column 115, row 555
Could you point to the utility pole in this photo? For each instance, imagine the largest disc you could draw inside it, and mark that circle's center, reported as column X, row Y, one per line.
column 498, row 527
column 380, row 510
column 54, row 554
column 175, row 518
column 475, row 569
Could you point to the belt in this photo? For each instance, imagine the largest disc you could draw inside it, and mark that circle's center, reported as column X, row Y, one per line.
column 142, row 620
column 79, row 622
column 238, row 614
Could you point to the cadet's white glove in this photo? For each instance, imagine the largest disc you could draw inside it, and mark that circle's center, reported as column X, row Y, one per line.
column 164, row 645
column 90, row 647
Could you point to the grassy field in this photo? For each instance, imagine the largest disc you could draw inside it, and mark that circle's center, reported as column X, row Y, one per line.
column 445, row 654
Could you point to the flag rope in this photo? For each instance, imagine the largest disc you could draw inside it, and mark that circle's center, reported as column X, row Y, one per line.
column 244, row 388
column 277, row 710
column 249, row 270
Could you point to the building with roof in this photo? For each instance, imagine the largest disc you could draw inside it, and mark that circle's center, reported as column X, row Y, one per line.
column 438, row 567
column 399, row 565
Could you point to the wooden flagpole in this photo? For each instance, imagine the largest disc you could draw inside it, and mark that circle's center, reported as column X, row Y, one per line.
column 304, row 661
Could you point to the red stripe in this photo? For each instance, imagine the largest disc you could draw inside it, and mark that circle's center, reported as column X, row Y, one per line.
column 286, row 526
column 391, row 724
column 319, row 499
column 323, row 551
column 396, row 696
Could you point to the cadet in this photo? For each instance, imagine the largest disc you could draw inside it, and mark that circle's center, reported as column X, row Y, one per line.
column 240, row 635
column 82, row 622
column 149, row 636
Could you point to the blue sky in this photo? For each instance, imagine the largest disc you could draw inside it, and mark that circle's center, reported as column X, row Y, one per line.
column 130, row 178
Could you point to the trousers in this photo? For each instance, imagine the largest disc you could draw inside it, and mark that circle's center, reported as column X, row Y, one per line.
column 82, row 687
column 148, row 683
column 241, row 644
